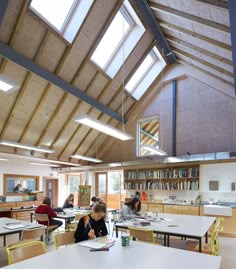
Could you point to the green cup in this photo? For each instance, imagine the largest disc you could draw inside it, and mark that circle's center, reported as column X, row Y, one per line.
column 125, row 240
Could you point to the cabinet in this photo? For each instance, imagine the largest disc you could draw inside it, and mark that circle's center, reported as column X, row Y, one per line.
column 154, row 207
column 182, row 209
column 173, row 178
column 229, row 223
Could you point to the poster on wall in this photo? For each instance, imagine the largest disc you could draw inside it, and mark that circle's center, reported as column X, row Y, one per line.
column 84, row 195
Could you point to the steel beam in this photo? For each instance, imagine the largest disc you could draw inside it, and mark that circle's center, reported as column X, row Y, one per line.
column 19, row 59
column 232, row 12
column 3, row 8
column 149, row 135
column 174, row 88
column 156, row 30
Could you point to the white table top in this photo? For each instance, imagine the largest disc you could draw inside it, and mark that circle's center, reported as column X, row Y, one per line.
column 4, row 222
column 138, row 255
column 177, row 224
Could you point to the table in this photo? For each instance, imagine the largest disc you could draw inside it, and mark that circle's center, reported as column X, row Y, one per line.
column 4, row 231
column 138, row 255
column 194, row 227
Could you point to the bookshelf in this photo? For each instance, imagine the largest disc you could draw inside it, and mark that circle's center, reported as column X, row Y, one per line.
column 173, row 178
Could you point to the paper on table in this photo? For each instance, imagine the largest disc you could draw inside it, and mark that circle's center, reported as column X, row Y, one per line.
column 91, row 244
column 14, row 226
column 166, row 219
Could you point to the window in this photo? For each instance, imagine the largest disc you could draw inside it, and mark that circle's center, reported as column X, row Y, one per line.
column 118, row 41
column 148, row 70
column 65, row 16
column 148, row 143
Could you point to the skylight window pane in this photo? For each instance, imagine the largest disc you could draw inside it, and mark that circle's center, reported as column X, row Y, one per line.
column 54, row 11
column 110, row 41
column 140, row 72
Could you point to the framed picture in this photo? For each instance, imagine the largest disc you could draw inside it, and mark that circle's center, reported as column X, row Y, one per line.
column 84, row 195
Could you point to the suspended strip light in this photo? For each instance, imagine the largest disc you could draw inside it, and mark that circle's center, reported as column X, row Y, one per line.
column 45, row 164
column 23, row 146
column 103, row 127
column 86, row 158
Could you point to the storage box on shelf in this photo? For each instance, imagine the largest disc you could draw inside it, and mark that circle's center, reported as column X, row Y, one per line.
column 174, row 178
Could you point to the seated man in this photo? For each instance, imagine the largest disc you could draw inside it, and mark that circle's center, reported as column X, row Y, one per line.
column 46, row 208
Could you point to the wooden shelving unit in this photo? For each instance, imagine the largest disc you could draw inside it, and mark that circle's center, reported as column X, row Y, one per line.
column 173, row 178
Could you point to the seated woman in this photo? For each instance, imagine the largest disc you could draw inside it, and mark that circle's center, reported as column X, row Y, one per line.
column 93, row 225
column 69, row 202
column 131, row 209
column 46, row 208
column 94, row 201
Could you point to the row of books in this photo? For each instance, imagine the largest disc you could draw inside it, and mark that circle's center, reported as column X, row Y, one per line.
column 162, row 173
column 181, row 185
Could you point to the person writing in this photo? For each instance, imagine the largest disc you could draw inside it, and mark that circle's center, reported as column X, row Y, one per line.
column 17, row 188
column 46, row 208
column 69, row 202
column 93, row 225
column 131, row 209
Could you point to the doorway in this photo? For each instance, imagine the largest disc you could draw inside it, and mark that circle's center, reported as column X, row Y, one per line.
column 51, row 190
column 109, row 187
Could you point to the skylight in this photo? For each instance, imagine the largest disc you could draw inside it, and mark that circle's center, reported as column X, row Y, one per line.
column 65, row 16
column 147, row 71
column 110, row 41
column 7, row 84
column 119, row 40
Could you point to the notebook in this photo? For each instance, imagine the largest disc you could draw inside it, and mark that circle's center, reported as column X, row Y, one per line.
column 14, row 226
column 92, row 244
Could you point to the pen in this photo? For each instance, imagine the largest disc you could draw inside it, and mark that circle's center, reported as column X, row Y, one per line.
column 172, row 225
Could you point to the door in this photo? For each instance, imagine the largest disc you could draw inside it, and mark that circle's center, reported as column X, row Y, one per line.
column 51, row 190
column 109, row 186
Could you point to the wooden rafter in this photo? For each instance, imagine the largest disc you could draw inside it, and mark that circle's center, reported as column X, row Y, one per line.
column 189, row 17
column 204, row 38
column 205, row 63
column 184, row 44
column 216, row 3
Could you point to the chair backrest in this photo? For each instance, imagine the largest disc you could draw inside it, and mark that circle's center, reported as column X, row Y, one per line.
column 42, row 218
column 219, row 222
column 25, row 251
column 32, row 233
column 142, row 234
column 64, row 238
column 214, row 241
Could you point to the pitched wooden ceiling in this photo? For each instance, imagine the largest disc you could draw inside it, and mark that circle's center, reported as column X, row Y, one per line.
column 42, row 114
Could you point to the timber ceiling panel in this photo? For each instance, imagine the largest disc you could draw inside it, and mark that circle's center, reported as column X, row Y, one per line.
column 42, row 114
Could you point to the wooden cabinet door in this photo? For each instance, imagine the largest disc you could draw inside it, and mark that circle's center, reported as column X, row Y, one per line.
column 190, row 210
column 154, row 207
column 172, row 209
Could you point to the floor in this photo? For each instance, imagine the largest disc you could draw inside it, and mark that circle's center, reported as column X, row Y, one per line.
column 227, row 245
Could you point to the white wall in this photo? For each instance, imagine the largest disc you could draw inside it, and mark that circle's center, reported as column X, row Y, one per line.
column 22, row 167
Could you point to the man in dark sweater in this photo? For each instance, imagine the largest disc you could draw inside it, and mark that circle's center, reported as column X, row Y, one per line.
column 93, row 225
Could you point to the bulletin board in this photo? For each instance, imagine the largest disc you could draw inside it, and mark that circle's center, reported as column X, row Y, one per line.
column 84, row 195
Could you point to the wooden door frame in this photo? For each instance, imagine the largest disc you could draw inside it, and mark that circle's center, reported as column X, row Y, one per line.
column 96, row 183
column 56, row 187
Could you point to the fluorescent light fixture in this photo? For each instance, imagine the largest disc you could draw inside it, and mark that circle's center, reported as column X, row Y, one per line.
column 23, row 146
column 86, row 158
column 154, row 150
column 59, row 162
column 45, row 164
column 4, row 159
column 103, row 127
column 7, row 85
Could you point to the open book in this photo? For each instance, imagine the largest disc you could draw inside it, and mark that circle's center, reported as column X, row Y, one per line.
column 99, row 242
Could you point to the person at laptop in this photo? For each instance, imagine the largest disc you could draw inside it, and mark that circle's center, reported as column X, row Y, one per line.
column 131, row 209
column 46, row 208
column 93, row 225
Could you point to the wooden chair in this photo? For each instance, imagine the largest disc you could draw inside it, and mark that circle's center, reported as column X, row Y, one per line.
column 142, row 234
column 212, row 248
column 73, row 225
column 64, row 238
column 25, row 251
column 45, row 218
column 29, row 235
